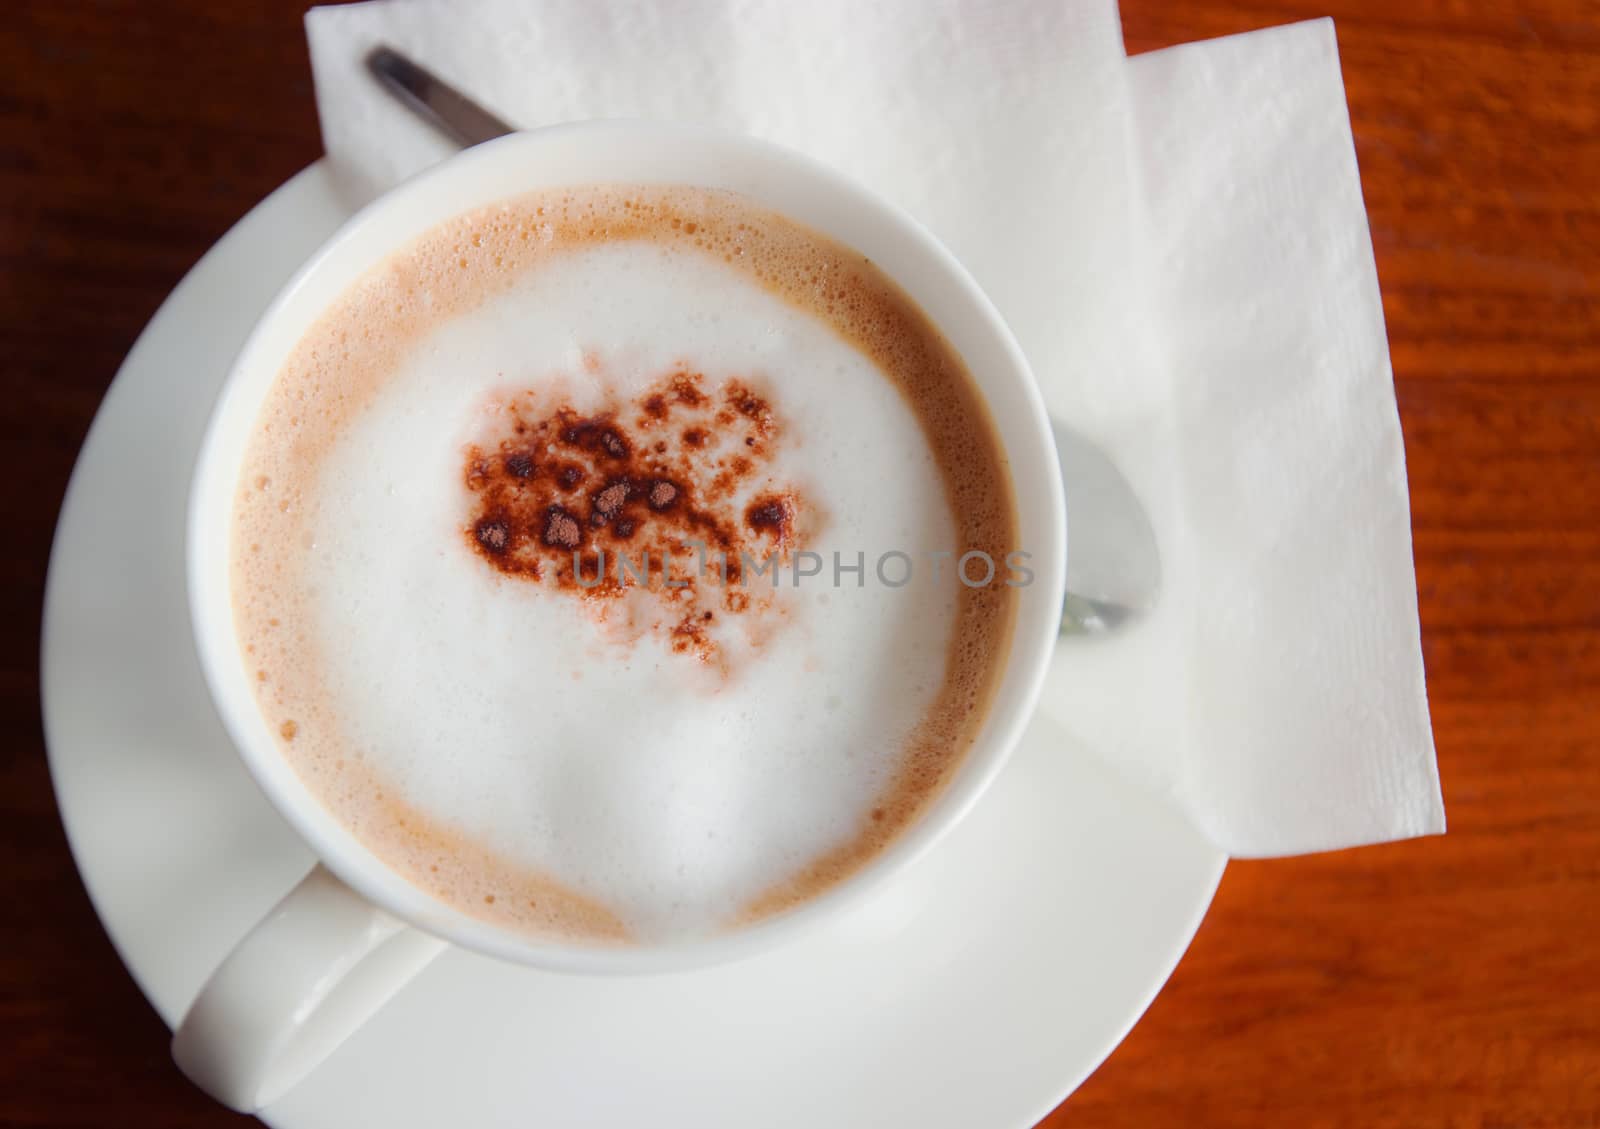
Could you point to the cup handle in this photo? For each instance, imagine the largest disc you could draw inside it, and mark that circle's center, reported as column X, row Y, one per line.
column 299, row 983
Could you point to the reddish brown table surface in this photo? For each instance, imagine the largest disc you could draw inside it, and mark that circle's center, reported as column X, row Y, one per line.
column 1446, row 982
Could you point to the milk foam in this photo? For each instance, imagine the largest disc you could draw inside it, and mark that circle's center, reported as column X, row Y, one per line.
column 492, row 740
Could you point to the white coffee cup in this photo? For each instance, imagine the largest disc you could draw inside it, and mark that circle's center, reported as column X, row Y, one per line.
column 353, row 932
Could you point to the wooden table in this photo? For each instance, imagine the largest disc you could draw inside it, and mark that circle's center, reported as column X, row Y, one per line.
column 1447, row 982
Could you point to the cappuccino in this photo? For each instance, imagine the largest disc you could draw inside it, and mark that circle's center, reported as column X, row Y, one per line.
column 596, row 556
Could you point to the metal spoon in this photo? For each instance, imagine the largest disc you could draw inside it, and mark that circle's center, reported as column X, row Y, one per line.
column 438, row 103
column 1114, row 569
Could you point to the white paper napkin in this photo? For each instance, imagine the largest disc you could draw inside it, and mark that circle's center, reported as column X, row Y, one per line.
column 1180, row 245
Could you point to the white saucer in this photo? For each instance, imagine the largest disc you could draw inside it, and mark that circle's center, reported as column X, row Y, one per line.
column 979, row 990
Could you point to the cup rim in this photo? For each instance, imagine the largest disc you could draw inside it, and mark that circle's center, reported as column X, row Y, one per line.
column 366, row 873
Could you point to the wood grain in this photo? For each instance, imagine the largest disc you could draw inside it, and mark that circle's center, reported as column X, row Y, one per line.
column 1451, row 982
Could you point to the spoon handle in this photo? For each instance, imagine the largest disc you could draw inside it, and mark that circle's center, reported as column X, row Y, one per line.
column 450, row 111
